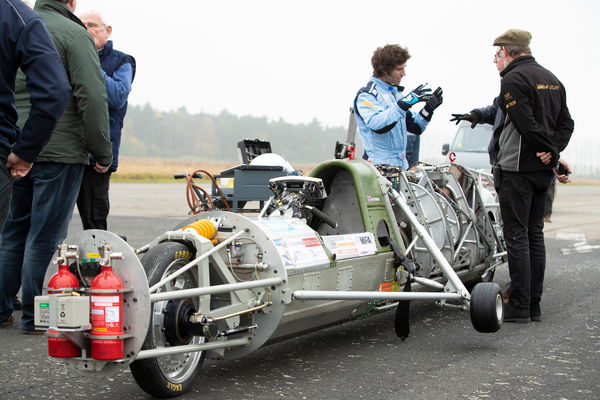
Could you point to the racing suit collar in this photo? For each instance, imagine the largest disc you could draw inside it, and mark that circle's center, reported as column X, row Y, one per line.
column 386, row 86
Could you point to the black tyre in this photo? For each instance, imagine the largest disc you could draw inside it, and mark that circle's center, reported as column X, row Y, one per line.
column 486, row 277
column 170, row 375
column 486, row 307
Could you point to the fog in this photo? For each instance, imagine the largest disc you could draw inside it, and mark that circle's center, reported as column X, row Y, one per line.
column 301, row 60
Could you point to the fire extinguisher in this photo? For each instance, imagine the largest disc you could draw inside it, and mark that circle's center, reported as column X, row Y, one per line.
column 58, row 345
column 106, row 310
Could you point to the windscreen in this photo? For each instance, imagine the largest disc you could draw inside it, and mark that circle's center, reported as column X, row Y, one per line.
column 472, row 140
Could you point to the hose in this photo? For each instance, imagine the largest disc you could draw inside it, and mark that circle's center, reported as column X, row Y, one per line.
column 197, row 202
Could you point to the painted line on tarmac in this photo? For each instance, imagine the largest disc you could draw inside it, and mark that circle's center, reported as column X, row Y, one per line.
column 580, row 246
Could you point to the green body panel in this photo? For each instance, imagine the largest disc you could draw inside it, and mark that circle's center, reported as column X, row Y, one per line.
column 371, row 200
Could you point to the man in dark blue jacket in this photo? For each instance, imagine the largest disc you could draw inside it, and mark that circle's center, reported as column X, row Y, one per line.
column 118, row 71
column 25, row 43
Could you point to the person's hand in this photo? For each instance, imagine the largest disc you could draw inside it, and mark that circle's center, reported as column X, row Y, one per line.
column 435, row 101
column 561, row 178
column 471, row 117
column 101, row 168
column 420, row 93
column 19, row 167
column 565, row 166
column 545, row 157
column 562, row 172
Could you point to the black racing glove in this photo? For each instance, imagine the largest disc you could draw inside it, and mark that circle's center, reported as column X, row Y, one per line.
column 472, row 117
column 420, row 93
column 432, row 103
column 435, row 101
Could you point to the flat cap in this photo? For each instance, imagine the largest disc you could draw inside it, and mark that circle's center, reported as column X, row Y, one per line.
column 513, row 37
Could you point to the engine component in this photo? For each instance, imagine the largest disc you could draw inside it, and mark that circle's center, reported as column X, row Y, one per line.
column 203, row 227
column 296, row 197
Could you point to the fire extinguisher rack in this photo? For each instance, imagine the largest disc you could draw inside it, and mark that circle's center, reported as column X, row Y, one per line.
column 136, row 298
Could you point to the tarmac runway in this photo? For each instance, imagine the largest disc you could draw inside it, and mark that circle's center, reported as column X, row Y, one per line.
column 444, row 358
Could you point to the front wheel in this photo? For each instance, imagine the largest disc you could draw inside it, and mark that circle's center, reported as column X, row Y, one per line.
column 170, row 375
column 486, row 307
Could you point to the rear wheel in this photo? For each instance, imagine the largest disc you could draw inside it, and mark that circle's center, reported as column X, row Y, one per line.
column 170, row 375
column 486, row 307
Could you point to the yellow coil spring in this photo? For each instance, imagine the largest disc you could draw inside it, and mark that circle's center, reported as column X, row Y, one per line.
column 204, row 227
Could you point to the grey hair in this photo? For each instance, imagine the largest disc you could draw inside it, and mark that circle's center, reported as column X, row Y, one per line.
column 514, row 51
column 101, row 15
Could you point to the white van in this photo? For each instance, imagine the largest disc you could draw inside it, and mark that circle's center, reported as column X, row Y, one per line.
column 470, row 146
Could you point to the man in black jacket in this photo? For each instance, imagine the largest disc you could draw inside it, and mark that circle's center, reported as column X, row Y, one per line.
column 536, row 126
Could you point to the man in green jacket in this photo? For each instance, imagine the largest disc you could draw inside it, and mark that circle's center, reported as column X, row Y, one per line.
column 44, row 199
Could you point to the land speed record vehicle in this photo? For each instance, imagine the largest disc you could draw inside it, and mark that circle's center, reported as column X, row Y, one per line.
column 349, row 240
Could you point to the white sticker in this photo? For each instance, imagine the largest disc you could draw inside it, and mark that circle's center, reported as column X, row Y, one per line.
column 105, row 299
column 112, row 314
column 351, row 245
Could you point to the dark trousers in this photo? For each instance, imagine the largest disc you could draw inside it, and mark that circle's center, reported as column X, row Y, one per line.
column 5, row 190
column 522, row 203
column 40, row 210
column 93, row 202
column 413, row 142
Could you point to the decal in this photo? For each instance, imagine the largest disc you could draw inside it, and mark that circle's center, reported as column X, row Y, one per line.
column 351, row 245
column 176, row 387
column 311, row 242
column 541, row 86
column 367, row 103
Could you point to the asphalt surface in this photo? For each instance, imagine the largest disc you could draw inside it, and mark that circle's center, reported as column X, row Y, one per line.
column 558, row 358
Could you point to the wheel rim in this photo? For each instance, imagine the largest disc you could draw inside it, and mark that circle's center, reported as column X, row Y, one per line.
column 499, row 309
column 176, row 367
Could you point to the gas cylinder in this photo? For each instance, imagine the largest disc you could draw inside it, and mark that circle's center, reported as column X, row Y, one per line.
column 106, row 308
column 58, row 345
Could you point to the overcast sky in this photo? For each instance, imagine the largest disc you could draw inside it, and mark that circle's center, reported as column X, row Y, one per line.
column 300, row 60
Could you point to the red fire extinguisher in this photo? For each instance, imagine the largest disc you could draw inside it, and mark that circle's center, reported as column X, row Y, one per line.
column 106, row 310
column 58, row 345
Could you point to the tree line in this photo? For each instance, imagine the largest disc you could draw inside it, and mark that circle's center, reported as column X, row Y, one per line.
column 182, row 135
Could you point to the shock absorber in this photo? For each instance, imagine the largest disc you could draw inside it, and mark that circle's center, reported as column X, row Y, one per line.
column 204, row 228
column 62, row 281
column 106, row 308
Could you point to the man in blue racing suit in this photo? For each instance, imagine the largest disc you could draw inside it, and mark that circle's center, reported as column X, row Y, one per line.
column 383, row 113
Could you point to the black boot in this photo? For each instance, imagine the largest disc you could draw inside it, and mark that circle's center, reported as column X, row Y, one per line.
column 535, row 312
column 513, row 314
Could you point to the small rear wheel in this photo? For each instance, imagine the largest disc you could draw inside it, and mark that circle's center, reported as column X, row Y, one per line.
column 486, row 307
column 170, row 375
